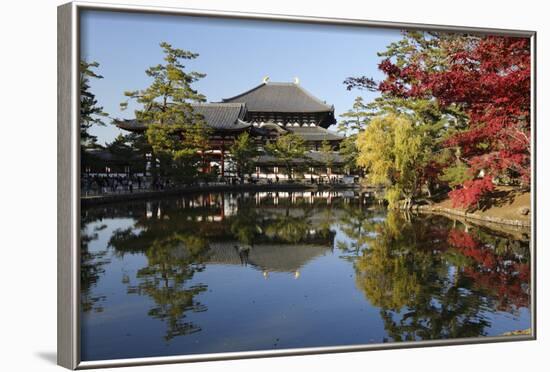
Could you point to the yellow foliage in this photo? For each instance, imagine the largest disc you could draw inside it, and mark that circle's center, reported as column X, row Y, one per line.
column 392, row 150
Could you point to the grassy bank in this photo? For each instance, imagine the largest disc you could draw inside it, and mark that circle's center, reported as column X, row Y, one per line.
column 522, row 332
column 506, row 205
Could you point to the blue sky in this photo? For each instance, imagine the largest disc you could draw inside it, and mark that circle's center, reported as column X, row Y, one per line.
column 234, row 54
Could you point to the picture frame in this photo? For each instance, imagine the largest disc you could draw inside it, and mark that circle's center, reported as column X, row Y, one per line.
column 69, row 187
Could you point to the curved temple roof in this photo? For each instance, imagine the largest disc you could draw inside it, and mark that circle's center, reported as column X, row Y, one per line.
column 280, row 97
column 233, row 114
column 219, row 116
column 315, row 133
column 224, row 116
column 311, row 157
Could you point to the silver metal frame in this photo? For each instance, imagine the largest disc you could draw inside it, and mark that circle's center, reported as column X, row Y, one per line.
column 68, row 179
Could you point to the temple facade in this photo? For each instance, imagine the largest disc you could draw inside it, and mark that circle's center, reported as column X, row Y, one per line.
column 267, row 111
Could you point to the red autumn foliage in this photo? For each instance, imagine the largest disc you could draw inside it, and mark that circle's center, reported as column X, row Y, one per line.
column 489, row 78
column 471, row 192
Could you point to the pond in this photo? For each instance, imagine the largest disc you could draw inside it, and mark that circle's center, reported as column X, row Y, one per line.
column 256, row 271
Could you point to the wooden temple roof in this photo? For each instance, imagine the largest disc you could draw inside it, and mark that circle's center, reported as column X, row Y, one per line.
column 223, row 116
column 235, row 114
column 311, row 157
column 315, row 134
column 219, row 116
column 282, row 98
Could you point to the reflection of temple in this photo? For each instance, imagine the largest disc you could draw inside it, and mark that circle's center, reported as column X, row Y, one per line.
column 216, row 207
column 267, row 257
column 241, row 229
column 268, row 111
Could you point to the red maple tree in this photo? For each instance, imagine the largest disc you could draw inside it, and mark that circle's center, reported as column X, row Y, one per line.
column 489, row 78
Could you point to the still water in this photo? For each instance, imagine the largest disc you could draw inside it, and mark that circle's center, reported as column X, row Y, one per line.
column 255, row 271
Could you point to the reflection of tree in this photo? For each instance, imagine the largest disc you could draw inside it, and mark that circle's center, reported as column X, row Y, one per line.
column 430, row 280
column 497, row 265
column 246, row 226
column 426, row 291
column 326, row 222
column 358, row 224
column 387, row 271
column 290, row 228
column 91, row 268
column 174, row 236
column 172, row 260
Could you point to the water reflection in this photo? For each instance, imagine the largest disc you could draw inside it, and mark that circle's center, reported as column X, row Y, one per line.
column 91, row 267
column 433, row 281
column 171, row 263
column 420, row 277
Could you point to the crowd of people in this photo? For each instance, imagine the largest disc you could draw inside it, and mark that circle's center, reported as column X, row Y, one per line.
column 102, row 184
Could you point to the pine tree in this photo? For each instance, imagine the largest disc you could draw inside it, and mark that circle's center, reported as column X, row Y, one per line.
column 244, row 152
column 348, row 150
column 355, row 119
column 288, row 149
column 327, row 155
column 90, row 112
column 177, row 134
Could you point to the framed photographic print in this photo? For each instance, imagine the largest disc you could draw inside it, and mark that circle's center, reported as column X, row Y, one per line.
column 235, row 185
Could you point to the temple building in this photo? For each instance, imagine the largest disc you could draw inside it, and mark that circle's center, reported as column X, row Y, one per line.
column 268, row 111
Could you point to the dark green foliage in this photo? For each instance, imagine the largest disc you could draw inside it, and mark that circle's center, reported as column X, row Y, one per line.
column 178, row 136
column 90, row 112
column 355, row 119
column 288, row 149
column 349, row 151
column 244, row 152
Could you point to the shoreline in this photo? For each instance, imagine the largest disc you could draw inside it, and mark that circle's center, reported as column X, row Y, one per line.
column 86, row 201
column 453, row 212
column 504, row 206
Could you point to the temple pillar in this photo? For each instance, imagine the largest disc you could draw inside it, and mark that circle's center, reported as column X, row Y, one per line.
column 222, row 167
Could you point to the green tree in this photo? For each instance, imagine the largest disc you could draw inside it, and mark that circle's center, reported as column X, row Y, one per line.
column 395, row 152
column 355, row 119
column 456, row 174
column 177, row 134
column 349, row 151
column 244, row 152
column 120, row 147
column 288, row 149
column 128, row 150
column 438, row 122
column 327, row 155
column 90, row 112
